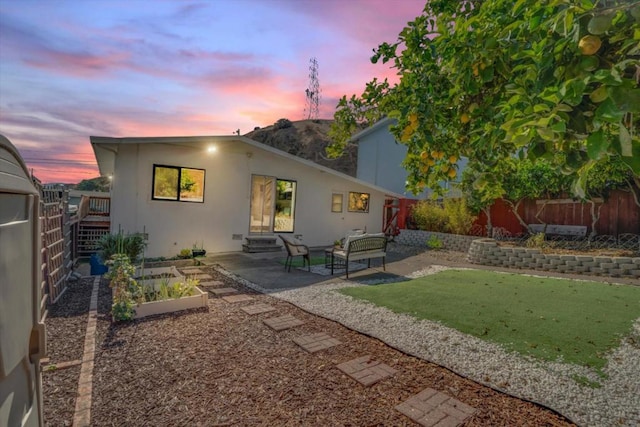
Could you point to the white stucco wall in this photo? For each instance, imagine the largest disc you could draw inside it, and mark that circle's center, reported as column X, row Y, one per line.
column 176, row 225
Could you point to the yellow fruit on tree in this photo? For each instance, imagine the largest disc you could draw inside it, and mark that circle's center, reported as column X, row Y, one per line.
column 431, row 161
column 589, row 44
column 452, row 173
column 453, row 159
column 464, row 118
column 424, row 155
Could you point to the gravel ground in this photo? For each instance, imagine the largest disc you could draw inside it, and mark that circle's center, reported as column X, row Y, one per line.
column 617, row 402
column 218, row 366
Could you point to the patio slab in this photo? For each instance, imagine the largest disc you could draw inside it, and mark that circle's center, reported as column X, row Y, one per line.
column 199, row 276
column 283, row 322
column 366, row 371
column 258, row 308
column 223, row 291
column 238, row 298
column 316, row 342
column 431, row 408
column 192, row 270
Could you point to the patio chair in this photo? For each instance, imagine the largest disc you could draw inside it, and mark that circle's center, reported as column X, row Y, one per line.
column 295, row 248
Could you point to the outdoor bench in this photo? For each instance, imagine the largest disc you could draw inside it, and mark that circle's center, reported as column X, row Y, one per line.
column 364, row 246
column 560, row 230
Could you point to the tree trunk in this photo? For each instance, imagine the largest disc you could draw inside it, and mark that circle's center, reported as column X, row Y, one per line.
column 514, row 209
column 595, row 217
column 487, row 212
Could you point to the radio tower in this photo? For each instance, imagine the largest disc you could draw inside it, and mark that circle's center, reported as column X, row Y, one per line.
column 312, row 92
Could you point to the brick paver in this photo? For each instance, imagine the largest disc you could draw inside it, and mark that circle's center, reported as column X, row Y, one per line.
column 211, row 284
column 238, row 298
column 258, row 308
column 223, row 291
column 366, row 371
column 283, row 322
column 191, row 270
column 431, row 408
column 199, row 276
column 316, row 342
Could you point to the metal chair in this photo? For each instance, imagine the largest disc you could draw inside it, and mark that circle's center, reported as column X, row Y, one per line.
column 295, row 248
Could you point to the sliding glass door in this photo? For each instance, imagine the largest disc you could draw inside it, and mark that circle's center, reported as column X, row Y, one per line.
column 273, row 204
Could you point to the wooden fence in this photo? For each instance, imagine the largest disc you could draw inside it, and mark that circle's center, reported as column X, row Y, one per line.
column 58, row 231
column 619, row 214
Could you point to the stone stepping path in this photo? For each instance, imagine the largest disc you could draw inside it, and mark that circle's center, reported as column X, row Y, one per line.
column 366, row 371
column 238, row 298
column 316, row 342
column 431, row 408
column 211, row 284
column 223, row 291
column 283, row 322
column 258, row 308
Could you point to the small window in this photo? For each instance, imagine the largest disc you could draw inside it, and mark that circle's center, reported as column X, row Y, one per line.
column 336, row 202
column 358, row 202
column 178, row 184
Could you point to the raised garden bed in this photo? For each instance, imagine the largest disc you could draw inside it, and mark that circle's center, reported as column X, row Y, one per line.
column 197, row 300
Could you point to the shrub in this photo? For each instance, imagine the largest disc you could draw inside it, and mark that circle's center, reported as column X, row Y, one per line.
column 429, row 216
column 536, row 241
column 282, row 124
column 459, row 217
column 450, row 216
column 131, row 245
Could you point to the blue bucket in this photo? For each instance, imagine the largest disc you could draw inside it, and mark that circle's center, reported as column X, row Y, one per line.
column 97, row 268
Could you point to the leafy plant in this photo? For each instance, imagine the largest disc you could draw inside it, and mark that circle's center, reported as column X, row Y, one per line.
column 131, row 245
column 184, row 253
column 434, row 243
column 459, row 217
column 429, row 216
column 126, row 290
column 536, row 241
column 494, row 80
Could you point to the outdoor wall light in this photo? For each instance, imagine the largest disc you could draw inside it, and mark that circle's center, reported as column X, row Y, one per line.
column 212, row 149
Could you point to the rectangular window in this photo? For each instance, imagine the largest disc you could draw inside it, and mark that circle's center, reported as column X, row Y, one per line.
column 336, row 202
column 358, row 202
column 178, row 184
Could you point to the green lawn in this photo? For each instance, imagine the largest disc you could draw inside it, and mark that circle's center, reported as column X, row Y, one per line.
column 297, row 261
column 542, row 317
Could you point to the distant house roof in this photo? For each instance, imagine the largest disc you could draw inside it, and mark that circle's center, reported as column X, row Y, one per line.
column 385, row 122
column 106, row 148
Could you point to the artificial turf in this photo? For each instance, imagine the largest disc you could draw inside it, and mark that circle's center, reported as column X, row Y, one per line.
column 548, row 318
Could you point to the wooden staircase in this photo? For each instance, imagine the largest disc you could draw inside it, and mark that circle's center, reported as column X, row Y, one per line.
column 256, row 244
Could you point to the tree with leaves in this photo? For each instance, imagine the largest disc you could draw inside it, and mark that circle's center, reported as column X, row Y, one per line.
column 553, row 80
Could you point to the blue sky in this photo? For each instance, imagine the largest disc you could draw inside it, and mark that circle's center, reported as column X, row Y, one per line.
column 71, row 69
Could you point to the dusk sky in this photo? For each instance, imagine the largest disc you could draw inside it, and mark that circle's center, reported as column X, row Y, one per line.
column 74, row 68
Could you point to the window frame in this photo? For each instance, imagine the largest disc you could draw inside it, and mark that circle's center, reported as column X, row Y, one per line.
column 352, row 208
column 178, row 191
column 335, row 203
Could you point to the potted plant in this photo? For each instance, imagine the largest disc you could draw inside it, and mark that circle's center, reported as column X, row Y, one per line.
column 131, row 245
column 198, row 251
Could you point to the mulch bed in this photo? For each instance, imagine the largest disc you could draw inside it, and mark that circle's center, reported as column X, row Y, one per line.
column 219, row 366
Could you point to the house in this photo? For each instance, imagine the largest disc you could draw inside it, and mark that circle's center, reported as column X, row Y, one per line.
column 216, row 191
column 380, row 159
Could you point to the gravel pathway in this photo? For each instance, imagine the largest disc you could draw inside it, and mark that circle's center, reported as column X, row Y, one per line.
column 616, row 402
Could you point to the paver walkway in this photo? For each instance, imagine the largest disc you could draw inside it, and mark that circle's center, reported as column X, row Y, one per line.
column 316, row 342
column 192, row 270
column 431, row 408
column 258, row 308
column 283, row 322
column 366, row 371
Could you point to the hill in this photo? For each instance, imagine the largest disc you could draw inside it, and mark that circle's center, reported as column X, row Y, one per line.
column 306, row 139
